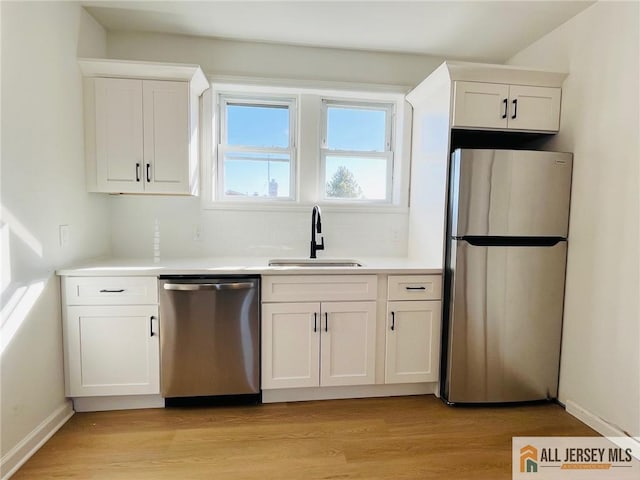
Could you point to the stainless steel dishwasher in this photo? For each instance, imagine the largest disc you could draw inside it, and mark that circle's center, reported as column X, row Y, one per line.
column 209, row 336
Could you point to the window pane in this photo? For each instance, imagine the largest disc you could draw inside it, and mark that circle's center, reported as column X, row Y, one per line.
column 256, row 175
column 356, row 178
column 356, row 129
column 258, row 126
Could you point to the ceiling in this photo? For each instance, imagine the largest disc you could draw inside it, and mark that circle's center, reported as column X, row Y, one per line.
column 489, row 31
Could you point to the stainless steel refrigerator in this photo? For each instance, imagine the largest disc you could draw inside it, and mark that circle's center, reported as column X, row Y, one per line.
column 506, row 250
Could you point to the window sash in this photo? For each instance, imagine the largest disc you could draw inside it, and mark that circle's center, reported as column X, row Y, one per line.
column 223, row 148
column 387, row 154
column 388, row 108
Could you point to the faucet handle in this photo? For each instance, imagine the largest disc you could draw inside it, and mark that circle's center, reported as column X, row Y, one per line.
column 320, row 246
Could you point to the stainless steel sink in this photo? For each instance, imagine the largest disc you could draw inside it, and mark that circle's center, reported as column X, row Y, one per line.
column 314, row 262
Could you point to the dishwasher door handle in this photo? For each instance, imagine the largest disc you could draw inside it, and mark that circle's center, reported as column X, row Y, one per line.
column 190, row 287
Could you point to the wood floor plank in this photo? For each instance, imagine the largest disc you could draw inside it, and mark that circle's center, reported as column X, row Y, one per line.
column 374, row 439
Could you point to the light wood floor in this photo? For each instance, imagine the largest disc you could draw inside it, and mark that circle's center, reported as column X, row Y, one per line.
column 388, row 438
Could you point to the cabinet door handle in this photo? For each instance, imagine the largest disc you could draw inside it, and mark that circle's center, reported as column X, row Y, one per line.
column 137, row 172
column 506, row 107
column 148, row 172
column 112, row 291
column 315, row 322
column 151, row 319
column 515, row 109
column 393, row 321
column 326, row 322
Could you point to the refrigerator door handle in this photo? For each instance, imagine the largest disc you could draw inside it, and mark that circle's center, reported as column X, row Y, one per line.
column 478, row 241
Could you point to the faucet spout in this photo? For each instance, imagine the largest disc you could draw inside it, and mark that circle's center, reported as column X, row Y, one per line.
column 316, row 227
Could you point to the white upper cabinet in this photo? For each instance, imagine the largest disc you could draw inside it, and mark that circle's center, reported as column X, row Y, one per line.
column 166, row 136
column 534, row 108
column 141, row 132
column 505, row 107
column 118, row 134
column 480, row 104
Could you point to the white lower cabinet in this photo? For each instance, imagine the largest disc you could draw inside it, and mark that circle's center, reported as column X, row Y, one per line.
column 320, row 343
column 412, row 350
column 290, row 345
column 111, row 350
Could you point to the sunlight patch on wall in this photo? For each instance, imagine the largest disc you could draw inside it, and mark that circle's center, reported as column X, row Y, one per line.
column 16, row 311
column 5, row 256
column 22, row 232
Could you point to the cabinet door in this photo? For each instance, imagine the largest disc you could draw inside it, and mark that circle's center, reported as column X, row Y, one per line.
column 166, row 136
column 112, row 350
column 534, row 108
column 480, row 105
column 412, row 342
column 347, row 343
column 119, row 145
column 290, row 345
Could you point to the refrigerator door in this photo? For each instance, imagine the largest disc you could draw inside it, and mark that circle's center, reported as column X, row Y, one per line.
column 504, row 323
column 510, row 193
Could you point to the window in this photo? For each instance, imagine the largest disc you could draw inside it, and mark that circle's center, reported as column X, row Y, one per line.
column 356, row 151
column 256, row 151
column 286, row 147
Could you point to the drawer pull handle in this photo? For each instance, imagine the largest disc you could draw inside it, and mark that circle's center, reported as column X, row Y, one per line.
column 393, row 321
column 112, row 291
column 415, row 288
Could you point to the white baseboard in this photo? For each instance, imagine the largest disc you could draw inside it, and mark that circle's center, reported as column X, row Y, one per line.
column 604, row 428
column 18, row 455
column 334, row 393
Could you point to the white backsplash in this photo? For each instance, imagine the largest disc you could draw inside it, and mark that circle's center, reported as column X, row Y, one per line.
column 247, row 233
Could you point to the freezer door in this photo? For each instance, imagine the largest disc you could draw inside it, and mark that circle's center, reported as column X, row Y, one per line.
column 510, row 193
column 504, row 324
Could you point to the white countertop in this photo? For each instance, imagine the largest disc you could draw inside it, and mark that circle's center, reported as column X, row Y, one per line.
column 239, row 266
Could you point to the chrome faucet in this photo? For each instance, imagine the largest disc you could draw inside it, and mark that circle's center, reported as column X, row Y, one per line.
column 316, row 227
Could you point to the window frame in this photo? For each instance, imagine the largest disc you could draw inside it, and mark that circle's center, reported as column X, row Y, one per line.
column 223, row 99
column 387, row 154
column 308, row 95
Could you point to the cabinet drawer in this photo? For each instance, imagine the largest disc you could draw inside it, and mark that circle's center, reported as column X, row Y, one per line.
column 110, row 290
column 303, row 288
column 415, row 287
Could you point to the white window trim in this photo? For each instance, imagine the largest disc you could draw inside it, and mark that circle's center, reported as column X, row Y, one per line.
column 387, row 154
column 222, row 100
column 307, row 156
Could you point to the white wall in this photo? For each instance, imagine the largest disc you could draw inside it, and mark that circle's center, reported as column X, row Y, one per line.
column 600, row 48
column 236, row 58
column 43, row 186
column 259, row 233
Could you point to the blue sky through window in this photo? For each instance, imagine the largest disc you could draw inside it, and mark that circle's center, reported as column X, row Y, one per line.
column 258, row 126
column 356, row 129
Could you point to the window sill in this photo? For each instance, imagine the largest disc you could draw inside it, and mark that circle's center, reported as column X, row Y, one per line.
column 304, row 207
